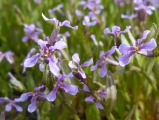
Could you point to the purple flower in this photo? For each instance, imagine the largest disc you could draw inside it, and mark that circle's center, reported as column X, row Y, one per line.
column 100, row 93
column 87, row 21
column 103, row 61
column 79, row 67
column 58, row 23
column 129, row 16
column 78, row 13
column 8, row 55
column 11, row 103
column 116, row 31
column 37, row 1
column 58, row 7
column 129, row 51
column 71, row 89
column 31, row 32
column 46, row 52
column 35, row 95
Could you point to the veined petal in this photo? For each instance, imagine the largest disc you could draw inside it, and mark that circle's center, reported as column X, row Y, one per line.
column 42, row 44
column 126, row 30
column 32, row 106
column 125, row 59
column 8, row 56
column 8, row 107
column 54, row 68
column 41, row 67
column 103, row 70
column 87, row 63
column 101, row 54
column 123, row 48
column 54, row 20
column 25, row 38
column 71, row 89
column 82, row 73
column 60, row 44
column 25, row 96
column 99, row 105
column 18, row 108
column 151, row 45
column 76, row 58
column 89, row 99
column 30, row 62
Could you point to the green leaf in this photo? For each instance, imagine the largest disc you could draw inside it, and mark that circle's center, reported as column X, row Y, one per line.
column 131, row 38
column 2, row 116
column 90, row 82
column 150, row 65
column 129, row 116
column 92, row 112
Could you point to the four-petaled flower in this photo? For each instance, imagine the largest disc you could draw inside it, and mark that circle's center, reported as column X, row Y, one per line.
column 46, row 52
column 8, row 55
column 31, row 32
column 103, row 61
column 100, row 93
column 79, row 67
column 35, row 95
column 129, row 51
column 58, row 23
column 71, row 89
column 11, row 103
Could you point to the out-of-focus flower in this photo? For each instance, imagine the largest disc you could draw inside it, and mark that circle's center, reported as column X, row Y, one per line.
column 100, row 93
column 142, row 9
column 155, row 3
column 46, row 52
column 87, row 21
column 37, row 1
column 58, row 7
column 79, row 67
column 129, row 16
column 31, row 32
column 11, row 103
column 58, row 23
column 69, row 88
column 35, row 95
column 78, row 13
column 129, row 51
column 104, row 60
column 8, row 55
column 122, row 2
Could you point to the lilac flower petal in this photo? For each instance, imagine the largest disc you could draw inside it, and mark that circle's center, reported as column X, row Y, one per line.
column 99, row 105
column 71, row 89
column 107, row 31
column 42, row 95
column 82, row 73
column 42, row 44
column 111, row 51
column 126, row 30
column 101, row 54
column 8, row 56
column 54, row 20
column 125, row 59
column 38, row 88
column 60, row 45
column 25, row 38
column 32, row 106
column 25, row 96
column 89, row 99
column 115, row 29
column 87, row 63
column 151, row 45
column 54, row 68
column 146, row 32
column 30, row 62
column 103, row 70
column 18, row 108
column 8, row 107
column 85, row 88
column 52, row 95
column 102, row 94
column 123, row 48
column 95, row 66
column 76, row 58
column 71, row 65
column 67, row 24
